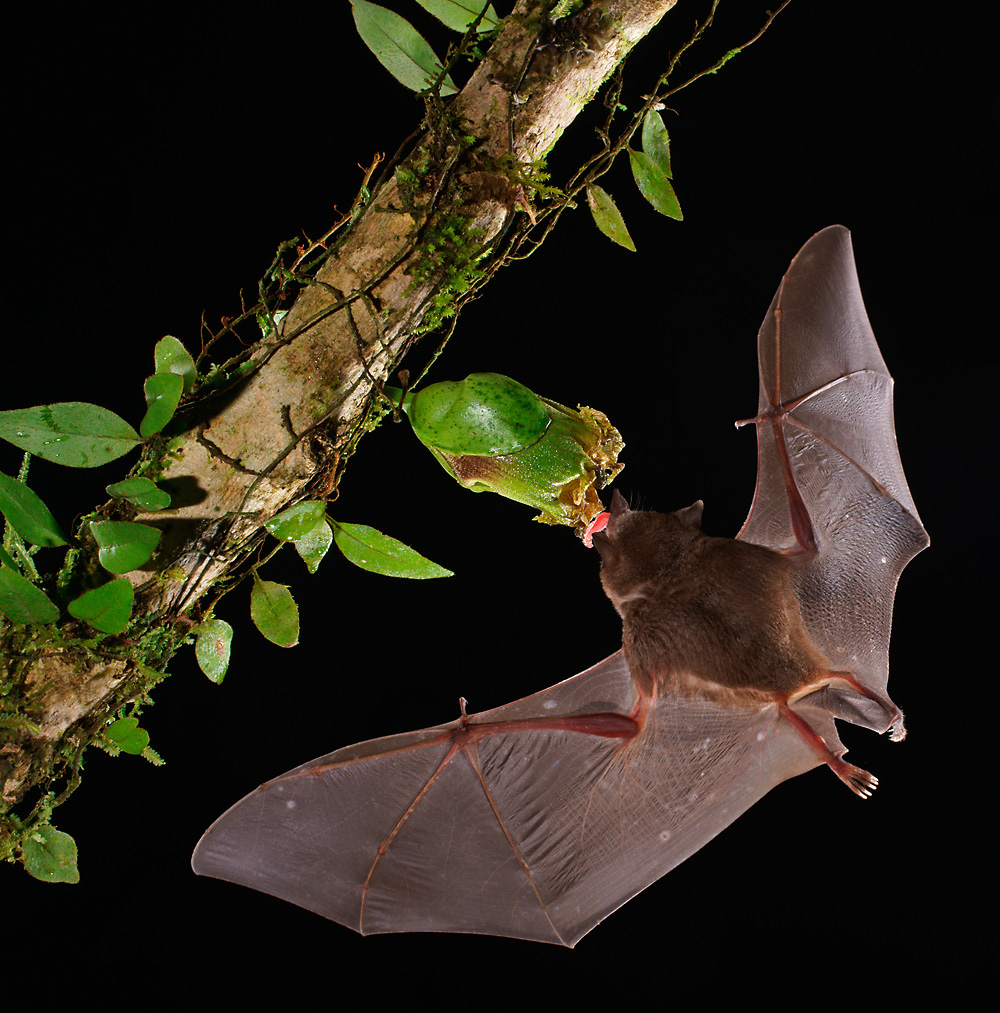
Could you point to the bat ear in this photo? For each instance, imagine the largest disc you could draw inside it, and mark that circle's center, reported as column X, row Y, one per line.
column 692, row 515
column 618, row 505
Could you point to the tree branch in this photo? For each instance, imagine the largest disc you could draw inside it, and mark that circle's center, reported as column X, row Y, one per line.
column 292, row 414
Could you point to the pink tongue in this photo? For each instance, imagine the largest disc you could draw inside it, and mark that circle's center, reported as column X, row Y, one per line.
column 599, row 523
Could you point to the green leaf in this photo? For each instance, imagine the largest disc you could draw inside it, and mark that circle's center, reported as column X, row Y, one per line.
column 211, row 648
column 274, row 612
column 27, row 514
column 126, row 734
column 7, row 560
column 607, row 217
column 399, row 47
column 140, row 492
column 171, row 356
column 107, row 608
column 313, row 546
column 654, row 185
column 459, row 14
column 371, row 550
column 125, row 545
column 50, row 855
column 21, row 601
column 297, row 521
column 72, row 433
column 656, row 141
column 163, row 391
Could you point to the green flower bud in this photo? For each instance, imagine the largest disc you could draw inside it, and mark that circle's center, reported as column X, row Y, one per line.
column 491, row 433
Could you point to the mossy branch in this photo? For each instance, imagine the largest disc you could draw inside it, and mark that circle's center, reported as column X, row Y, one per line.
column 277, row 422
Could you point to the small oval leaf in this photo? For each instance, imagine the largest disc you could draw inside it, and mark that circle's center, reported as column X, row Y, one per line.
column 72, row 433
column 140, row 492
column 656, row 141
column 313, row 546
column 399, row 47
column 163, row 391
column 50, row 855
column 23, row 602
column 297, row 521
column 607, row 217
column 211, row 648
column 107, row 608
column 126, row 734
column 654, row 185
column 125, row 545
column 371, row 550
column 171, row 356
column 27, row 514
column 459, row 14
column 274, row 612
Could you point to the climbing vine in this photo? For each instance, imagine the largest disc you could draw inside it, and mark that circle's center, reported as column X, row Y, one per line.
column 85, row 636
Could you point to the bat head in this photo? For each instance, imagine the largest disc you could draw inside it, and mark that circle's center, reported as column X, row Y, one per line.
column 640, row 548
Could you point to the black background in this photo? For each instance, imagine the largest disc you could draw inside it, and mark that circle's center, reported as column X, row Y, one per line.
column 159, row 161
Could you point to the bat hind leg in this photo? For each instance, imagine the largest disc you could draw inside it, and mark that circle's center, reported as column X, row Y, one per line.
column 859, row 781
column 894, row 716
column 894, row 725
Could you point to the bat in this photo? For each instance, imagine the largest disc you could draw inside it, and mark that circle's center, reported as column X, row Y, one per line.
column 539, row 818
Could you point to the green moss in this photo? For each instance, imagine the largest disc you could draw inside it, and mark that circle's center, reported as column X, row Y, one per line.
column 447, row 258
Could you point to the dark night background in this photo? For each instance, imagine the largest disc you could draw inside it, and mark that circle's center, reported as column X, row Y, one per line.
column 158, row 164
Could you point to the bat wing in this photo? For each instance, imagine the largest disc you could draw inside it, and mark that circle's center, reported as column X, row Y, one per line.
column 830, row 485
column 534, row 820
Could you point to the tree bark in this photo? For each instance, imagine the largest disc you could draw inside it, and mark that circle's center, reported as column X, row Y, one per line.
column 287, row 430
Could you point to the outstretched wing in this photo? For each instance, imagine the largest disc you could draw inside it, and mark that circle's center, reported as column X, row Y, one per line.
column 534, row 820
column 830, row 485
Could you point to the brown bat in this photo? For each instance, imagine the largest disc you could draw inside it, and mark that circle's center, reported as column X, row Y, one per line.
column 539, row 818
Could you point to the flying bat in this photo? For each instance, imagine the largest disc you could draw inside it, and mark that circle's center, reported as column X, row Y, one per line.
column 540, row 818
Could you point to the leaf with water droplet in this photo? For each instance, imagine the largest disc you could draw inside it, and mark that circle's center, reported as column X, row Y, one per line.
column 107, row 608
column 73, row 433
column 163, row 391
column 23, row 602
column 313, row 546
column 297, row 521
column 371, row 550
column 125, row 545
column 211, row 648
column 171, row 356
column 28, row 515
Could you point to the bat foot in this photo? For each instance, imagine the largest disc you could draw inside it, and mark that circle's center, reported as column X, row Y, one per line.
column 859, row 781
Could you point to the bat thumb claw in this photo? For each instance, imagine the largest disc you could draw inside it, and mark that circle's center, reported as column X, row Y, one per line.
column 896, row 729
